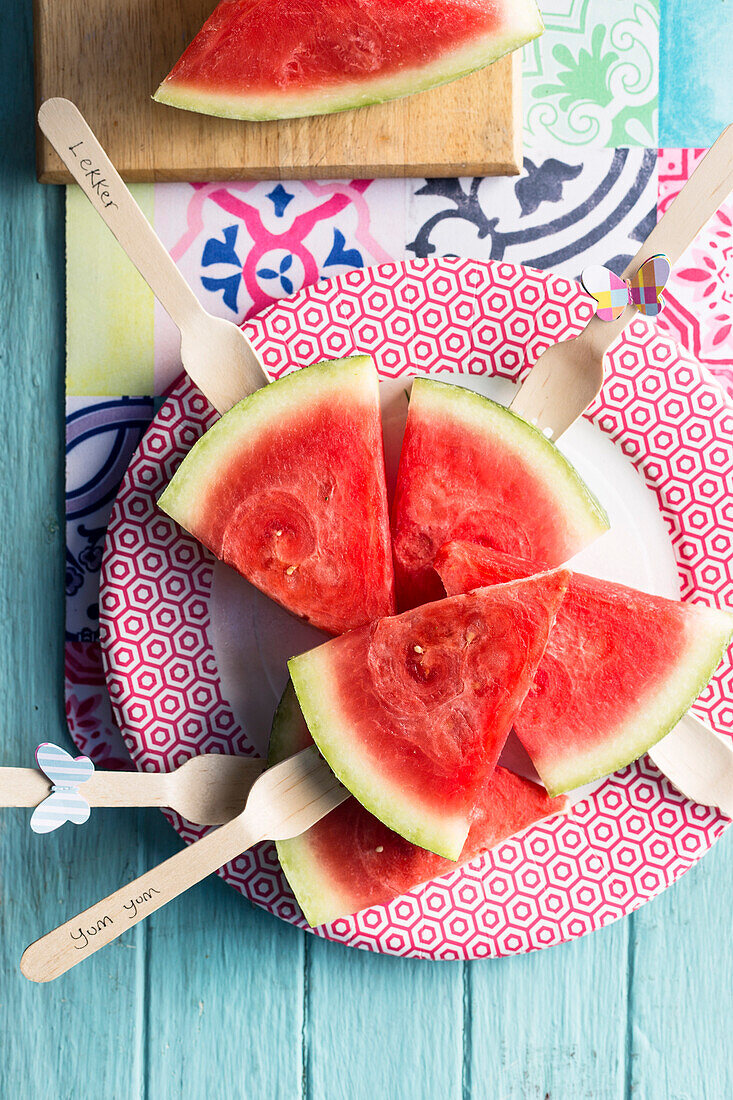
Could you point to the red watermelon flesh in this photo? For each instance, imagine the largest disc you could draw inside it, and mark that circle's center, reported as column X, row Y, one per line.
column 350, row 860
column 470, row 469
column 283, row 58
column 620, row 669
column 288, row 487
column 413, row 711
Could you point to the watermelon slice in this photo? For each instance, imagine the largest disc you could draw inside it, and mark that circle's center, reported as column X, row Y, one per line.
column 350, row 860
column 288, row 488
column 470, row 469
column 412, row 711
column 620, row 669
column 286, row 58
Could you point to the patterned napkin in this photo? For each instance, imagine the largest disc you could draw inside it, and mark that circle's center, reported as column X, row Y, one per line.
column 594, row 178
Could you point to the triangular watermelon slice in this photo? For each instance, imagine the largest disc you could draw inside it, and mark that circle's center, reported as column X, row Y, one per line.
column 620, row 669
column 350, row 860
column 412, row 711
column 471, row 469
column 288, row 487
column 286, row 58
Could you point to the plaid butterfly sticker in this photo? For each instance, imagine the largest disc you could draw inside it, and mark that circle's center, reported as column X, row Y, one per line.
column 613, row 294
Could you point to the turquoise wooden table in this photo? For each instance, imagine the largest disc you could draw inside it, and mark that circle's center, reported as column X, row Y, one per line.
column 211, row 997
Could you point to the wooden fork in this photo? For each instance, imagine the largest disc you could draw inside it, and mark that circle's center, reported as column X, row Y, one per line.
column 207, row 790
column 569, row 375
column 284, row 802
column 215, row 353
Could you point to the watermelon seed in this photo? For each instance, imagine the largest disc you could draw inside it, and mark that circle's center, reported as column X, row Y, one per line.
column 379, row 848
column 278, row 533
column 291, row 569
column 418, row 649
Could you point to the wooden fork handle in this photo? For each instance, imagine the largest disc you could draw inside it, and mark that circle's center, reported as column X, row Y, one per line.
column 705, row 191
column 699, row 762
column 29, row 787
column 67, row 130
column 80, row 937
column 23, row 786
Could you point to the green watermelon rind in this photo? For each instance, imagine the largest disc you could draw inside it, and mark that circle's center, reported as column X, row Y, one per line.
column 314, row 891
column 378, row 793
column 657, row 716
column 333, row 379
column 258, row 107
column 288, row 733
column 576, row 504
column 301, row 868
column 319, row 900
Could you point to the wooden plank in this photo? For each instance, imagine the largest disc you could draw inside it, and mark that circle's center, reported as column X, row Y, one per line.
column 379, row 1026
column 550, row 1024
column 224, row 994
column 109, row 57
column 55, row 1040
column 681, row 990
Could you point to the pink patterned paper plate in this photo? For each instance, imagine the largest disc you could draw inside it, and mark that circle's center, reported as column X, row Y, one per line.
column 661, row 422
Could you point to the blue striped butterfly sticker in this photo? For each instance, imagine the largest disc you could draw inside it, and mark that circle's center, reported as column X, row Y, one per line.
column 64, row 802
column 643, row 290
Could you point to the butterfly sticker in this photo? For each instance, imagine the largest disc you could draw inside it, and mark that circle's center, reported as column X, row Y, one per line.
column 643, row 290
column 64, row 802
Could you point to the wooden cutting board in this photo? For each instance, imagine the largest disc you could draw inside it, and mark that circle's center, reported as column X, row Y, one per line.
column 109, row 56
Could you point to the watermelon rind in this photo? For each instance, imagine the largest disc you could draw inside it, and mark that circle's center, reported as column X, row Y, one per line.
column 255, row 414
column 317, row 894
column 580, row 510
column 258, row 106
column 441, row 833
column 315, row 891
column 289, row 733
column 710, row 634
